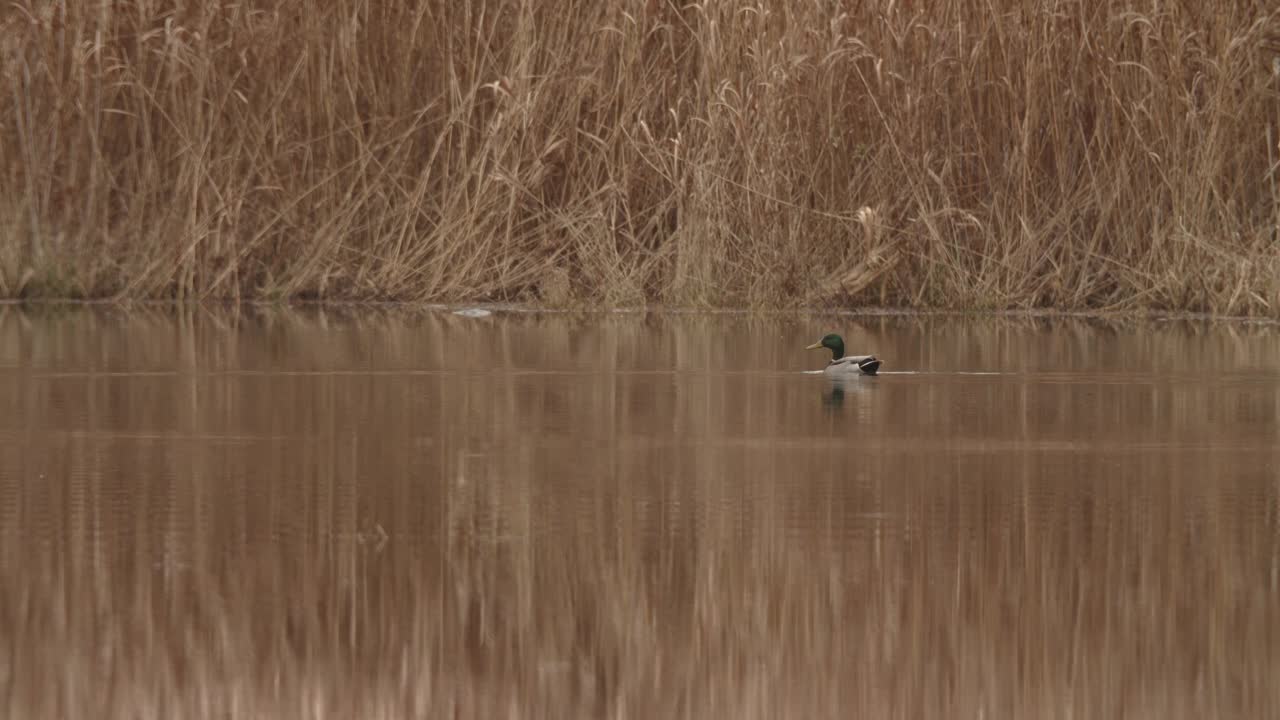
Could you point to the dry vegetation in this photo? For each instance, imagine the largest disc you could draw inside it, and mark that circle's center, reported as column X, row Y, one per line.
column 1008, row 154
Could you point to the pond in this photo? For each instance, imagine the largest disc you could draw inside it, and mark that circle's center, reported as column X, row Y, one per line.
column 371, row 512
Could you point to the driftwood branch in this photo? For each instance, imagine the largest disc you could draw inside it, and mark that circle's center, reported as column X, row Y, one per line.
column 875, row 258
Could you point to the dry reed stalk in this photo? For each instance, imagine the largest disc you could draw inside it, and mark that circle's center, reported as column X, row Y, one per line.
column 1021, row 153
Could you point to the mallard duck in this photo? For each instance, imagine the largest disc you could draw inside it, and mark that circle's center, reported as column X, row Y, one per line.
column 841, row 363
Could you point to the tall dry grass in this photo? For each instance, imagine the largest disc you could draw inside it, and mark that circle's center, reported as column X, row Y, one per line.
column 1015, row 153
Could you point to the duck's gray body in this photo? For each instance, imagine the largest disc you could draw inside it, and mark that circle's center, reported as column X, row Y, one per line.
column 861, row 364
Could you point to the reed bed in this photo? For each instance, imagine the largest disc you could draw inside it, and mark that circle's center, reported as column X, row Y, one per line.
column 1006, row 154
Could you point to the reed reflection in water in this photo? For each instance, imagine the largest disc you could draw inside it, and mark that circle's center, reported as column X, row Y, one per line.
column 395, row 514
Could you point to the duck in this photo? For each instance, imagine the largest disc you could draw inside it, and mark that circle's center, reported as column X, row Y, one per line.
column 841, row 363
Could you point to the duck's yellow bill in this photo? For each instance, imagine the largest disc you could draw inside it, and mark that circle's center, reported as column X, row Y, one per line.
column 815, row 346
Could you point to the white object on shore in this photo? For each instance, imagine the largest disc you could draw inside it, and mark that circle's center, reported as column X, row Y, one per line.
column 473, row 312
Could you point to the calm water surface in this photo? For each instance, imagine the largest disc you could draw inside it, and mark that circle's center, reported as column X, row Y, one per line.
column 383, row 514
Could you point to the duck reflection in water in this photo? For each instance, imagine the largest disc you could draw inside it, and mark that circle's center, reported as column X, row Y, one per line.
column 836, row 388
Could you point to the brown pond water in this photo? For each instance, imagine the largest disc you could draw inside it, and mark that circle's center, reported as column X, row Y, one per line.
column 374, row 514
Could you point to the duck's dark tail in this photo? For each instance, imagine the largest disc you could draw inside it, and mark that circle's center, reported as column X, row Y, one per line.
column 869, row 365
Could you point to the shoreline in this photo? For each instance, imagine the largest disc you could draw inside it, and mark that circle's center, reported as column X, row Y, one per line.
column 532, row 309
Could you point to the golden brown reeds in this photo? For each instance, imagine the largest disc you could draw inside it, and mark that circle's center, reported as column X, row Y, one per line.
column 1017, row 153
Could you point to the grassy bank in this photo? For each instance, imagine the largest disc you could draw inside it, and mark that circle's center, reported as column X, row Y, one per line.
column 979, row 155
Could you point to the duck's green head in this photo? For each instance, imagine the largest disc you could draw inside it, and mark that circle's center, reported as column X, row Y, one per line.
column 832, row 342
